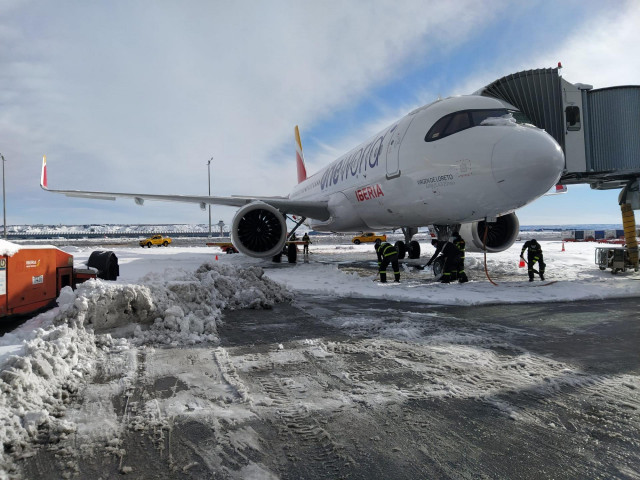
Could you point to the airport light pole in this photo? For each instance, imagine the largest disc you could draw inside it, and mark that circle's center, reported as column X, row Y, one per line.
column 209, row 178
column 4, row 201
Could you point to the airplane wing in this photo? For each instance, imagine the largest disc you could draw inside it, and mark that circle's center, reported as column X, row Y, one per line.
column 310, row 209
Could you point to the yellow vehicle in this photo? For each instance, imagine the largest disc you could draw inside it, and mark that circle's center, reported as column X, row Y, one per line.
column 368, row 237
column 155, row 240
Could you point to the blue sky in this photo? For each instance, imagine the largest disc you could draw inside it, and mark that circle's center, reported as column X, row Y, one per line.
column 137, row 96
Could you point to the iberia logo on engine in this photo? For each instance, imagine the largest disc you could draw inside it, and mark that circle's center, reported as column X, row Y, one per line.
column 369, row 192
column 32, row 263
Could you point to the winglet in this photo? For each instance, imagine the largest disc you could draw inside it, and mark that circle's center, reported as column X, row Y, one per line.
column 302, row 170
column 43, row 177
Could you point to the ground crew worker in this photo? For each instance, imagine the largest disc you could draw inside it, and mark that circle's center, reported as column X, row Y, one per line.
column 305, row 239
column 387, row 253
column 458, row 267
column 449, row 252
column 534, row 254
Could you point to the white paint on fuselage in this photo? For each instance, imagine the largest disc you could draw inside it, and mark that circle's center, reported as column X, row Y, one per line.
column 396, row 178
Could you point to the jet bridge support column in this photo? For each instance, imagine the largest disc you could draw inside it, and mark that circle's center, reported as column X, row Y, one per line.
column 629, row 225
column 629, row 200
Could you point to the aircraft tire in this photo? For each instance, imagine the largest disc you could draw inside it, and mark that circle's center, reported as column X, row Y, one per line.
column 402, row 249
column 414, row 249
column 438, row 268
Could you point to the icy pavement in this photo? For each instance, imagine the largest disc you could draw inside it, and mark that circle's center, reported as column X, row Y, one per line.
column 192, row 370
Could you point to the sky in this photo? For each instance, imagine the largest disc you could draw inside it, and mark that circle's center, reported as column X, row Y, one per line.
column 139, row 96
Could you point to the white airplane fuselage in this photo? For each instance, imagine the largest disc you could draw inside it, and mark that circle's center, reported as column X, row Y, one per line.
column 399, row 178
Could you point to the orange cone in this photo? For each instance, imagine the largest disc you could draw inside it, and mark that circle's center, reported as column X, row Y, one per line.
column 216, row 257
column 521, row 265
column 563, row 246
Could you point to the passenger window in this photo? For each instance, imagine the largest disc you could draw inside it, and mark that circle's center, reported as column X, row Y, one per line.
column 572, row 114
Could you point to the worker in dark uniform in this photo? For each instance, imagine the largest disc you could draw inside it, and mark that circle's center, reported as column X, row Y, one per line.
column 305, row 247
column 450, row 253
column 461, row 246
column 534, row 254
column 387, row 253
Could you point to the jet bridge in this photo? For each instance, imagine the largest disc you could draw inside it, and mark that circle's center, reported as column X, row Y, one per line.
column 598, row 130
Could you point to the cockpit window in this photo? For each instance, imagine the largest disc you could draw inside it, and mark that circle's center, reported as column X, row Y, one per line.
column 458, row 121
column 521, row 118
column 480, row 116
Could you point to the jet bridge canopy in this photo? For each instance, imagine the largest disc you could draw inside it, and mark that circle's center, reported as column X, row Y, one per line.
column 598, row 130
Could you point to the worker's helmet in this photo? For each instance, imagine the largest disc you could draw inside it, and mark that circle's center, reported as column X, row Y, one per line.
column 534, row 241
column 377, row 243
column 434, row 242
column 456, row 235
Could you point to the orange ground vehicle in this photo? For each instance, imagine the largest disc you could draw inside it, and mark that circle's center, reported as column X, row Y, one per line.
column 226, row 247
column 31, row 278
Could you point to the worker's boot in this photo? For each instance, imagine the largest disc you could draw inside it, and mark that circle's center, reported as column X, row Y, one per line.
column 397, row 277
column 383, row 278
column 463, row 277
column 542, row 276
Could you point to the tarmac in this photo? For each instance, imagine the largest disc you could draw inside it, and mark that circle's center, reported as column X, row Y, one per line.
column 367, row 389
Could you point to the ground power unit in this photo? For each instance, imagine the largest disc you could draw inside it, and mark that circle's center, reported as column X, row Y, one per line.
column 31, row 278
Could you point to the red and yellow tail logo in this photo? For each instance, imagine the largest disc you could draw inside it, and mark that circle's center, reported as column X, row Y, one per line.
column 43, row 177
column 302, row 170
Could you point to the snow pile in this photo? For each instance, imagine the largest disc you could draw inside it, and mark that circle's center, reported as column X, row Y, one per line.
column 503, row 120
column 182, row 310
column 192, row 304
column 8, row 248
column 55, row 360
column 37, row 385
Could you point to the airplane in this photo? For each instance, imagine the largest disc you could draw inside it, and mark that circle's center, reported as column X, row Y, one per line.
column 462, row 163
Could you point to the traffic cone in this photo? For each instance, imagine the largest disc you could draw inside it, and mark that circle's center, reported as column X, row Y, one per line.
column 216, row 257
column 521, row 264
column 563, row 246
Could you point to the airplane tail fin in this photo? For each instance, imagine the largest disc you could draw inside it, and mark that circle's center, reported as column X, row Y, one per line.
column 43, row 176
column 302, row 170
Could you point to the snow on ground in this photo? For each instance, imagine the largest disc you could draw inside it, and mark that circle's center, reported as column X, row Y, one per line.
column 176, row 296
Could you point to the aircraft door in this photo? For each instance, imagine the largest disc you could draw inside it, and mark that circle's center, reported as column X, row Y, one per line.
column 393, row 149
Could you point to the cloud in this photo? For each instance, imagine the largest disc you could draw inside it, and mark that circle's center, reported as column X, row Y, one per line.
column 137, row 96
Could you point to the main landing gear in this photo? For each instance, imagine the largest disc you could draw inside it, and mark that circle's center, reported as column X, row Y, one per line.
column 410, row 248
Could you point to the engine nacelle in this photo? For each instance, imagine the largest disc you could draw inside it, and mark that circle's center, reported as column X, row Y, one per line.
column 500, row 236
column 258, row 230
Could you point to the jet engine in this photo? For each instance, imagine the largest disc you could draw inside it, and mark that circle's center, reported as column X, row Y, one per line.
column 500, row 235
column 258, row 230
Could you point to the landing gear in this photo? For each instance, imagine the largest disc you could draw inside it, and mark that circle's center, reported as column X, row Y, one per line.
column 414, row 249
column 438, row 268
column 444, row 232
column 408, row 247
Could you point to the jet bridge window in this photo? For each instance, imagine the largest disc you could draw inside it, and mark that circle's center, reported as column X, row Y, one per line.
column 572, row 114
column 458, row 121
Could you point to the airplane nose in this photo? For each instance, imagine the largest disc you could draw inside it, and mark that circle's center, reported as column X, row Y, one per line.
column 526, row 163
